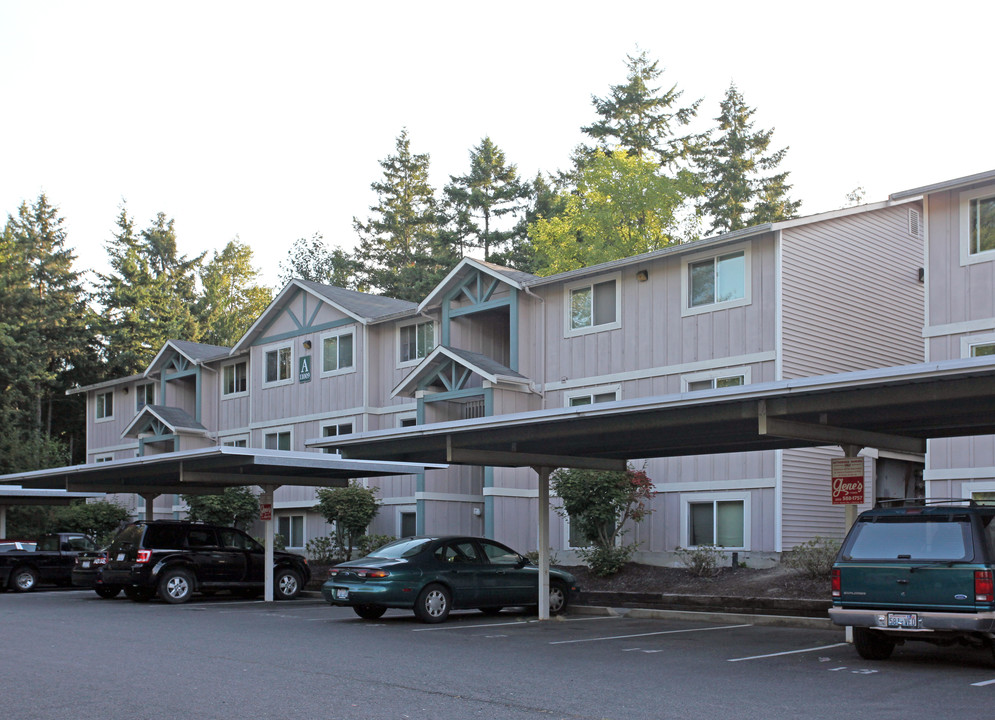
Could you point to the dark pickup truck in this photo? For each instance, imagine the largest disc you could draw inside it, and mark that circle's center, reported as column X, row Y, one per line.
column 50, row 562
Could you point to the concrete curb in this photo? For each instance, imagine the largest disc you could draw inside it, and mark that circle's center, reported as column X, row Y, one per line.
column 716, row 617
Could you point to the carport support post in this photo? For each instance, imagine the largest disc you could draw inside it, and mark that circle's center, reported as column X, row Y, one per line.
column 544, row 473
column 149, row 499
column 851, row 451
column 3, row 521
column 267, row 499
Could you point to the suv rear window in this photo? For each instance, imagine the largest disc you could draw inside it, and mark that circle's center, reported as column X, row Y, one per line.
column 127, row 539
column 913, row 538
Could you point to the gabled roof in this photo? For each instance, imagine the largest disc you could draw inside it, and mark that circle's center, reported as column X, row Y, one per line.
column 487, row 368
column 984, row 177
column 365, row 308
column 178, row 421
column 196, row 353
column 515, row 278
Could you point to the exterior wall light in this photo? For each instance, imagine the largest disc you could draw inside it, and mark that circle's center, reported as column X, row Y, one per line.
column 642, row 275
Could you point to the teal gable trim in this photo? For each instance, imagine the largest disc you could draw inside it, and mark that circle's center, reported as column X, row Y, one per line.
column 513, row 331
column 469, row 392
column 158, row 438
column 307, row 329
column 480, row 307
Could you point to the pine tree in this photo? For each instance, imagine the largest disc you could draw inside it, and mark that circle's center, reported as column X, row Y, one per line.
column 735, row 164
column 400, row 250
column 149, row 296
column 640, row 119
column 486, row 206
column 231, row 297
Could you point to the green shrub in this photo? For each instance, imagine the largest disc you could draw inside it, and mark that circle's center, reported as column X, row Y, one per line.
column 702, row 561
column 605, row 561
column 815, row 558
column 368, row 543
column 533, row 557
column 321, row 550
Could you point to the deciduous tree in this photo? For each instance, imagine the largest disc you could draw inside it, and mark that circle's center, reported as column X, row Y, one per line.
column 351, row 509
column 312, row 259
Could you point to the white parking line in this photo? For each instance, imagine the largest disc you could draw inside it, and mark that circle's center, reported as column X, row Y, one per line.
column 514, row 622
column 983, row 683
column 788, row 652
column 661, row 632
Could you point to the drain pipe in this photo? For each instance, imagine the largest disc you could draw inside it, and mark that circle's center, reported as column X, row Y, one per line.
column 542, row 370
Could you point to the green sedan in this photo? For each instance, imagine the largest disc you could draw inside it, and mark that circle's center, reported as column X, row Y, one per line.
column 433, row 575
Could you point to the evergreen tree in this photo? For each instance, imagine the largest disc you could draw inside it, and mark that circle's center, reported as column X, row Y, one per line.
column 47, row 343
column 479, row 201
column 310, row 259
column 642, row 120
column 149, row 297
column 231, row 298
column 741, row 182
column 400, row 249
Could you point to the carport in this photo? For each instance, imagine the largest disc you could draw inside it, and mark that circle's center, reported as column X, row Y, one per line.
column 19, row 496
column 210, row 470
column 897, row 408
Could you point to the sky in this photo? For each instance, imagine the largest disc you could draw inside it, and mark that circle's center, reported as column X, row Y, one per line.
column 268, row 121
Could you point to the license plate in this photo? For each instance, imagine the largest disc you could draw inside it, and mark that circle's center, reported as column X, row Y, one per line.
column 120, row 557
column 86, row 563
column 341, row 594
column 903, row 620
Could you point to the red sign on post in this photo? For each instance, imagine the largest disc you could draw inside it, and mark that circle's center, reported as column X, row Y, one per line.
column 848, row 481
column 265, row 511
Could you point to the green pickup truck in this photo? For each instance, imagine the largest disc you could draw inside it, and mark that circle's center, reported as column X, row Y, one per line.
column 919, row 570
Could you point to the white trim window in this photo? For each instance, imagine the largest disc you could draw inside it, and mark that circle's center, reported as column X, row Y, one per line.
column 407, row 420
column 407, row 521
column 717, row 519
column 715, row 379
column 414, row 342
column 338, row 352
column 291, row 527
column 336, row 428
column 977, row 226
column 716, row 282
column 591, row 396
column 104, row 406
column 103, row 458
column 278, row 366
column 144, row 395
column 279, row 439
column 977, row 345
column 235, row 379
column 593, row 305
column 237, row 441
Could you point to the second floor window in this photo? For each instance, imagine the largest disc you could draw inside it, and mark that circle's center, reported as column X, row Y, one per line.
column 981, row 218
column 416, row 341
column 279, row 365
column 105, row 405
column 593, row 399
column 716, row 382
column 277, row 440
column 337, row 352
column 983, row 350
column 234, row 379
column 592, row 306
column 144, row 395
column 717, row 280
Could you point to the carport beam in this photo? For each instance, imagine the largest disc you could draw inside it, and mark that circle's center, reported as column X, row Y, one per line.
column 149, row 499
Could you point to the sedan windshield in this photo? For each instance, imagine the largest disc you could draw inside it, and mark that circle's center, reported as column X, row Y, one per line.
column 401, row 548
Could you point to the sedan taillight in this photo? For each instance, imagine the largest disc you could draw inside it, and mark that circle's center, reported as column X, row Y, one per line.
column 144, row 556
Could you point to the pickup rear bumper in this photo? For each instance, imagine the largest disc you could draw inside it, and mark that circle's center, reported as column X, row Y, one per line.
column 981, row 622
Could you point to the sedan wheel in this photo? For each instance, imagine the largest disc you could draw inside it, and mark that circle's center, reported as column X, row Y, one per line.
column 107, row 591
column 23, row 579
column 433, row 604
column 557, row 599
column 176, row 586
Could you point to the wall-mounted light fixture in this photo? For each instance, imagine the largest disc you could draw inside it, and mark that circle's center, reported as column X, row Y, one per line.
column 922, row 274
column 642, row 275
column 125, row 390
column 307, row 344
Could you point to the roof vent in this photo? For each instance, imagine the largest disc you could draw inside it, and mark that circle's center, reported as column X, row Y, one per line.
column 915, row 223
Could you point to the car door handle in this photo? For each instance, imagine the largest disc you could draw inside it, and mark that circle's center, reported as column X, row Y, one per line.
column 903, row 582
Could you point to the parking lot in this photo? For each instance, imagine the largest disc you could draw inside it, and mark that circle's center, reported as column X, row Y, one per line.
column 69, row 654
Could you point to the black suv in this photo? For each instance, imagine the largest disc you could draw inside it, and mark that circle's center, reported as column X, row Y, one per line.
column 177, row 558
column 922, row 570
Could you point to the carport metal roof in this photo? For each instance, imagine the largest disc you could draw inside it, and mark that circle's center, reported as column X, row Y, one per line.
column 896, row 408
column 209, row 470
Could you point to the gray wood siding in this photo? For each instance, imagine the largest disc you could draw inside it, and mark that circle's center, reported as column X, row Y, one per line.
column 806, row 496
column 851, row 295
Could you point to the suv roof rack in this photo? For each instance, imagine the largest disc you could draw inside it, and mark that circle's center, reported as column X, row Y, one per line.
column 923, row 502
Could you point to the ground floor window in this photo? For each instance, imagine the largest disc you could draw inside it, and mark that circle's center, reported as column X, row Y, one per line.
column 409, row 524
column 291, row 527
column 722, row 520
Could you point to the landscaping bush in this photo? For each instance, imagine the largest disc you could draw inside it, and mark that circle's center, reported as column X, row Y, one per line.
column 533, row 557
column 368, row 543
column 322, row 550
column 702, row 561
column 815, row 558
column 605, row 561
